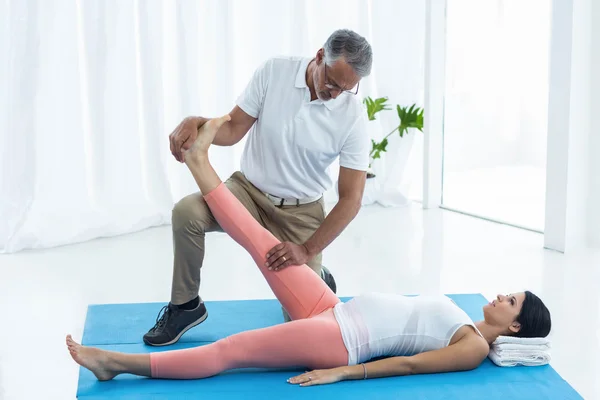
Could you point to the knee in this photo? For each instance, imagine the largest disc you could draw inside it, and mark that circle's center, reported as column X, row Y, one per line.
column 191, row 210
column 227, row 353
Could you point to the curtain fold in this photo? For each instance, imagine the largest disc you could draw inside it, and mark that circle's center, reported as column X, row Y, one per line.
column 90, row 91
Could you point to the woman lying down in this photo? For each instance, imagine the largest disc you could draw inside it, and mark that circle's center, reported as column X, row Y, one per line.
column 334, row 340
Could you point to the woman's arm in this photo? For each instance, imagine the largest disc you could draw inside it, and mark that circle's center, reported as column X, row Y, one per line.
column 466, row 354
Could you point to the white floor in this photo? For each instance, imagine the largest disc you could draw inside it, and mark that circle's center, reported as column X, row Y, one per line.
column 44, row 294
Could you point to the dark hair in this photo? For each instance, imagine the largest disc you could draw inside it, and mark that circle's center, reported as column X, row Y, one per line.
column 534, row 317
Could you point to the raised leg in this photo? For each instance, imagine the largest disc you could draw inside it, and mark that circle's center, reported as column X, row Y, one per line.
column 299, row 290
column 191, row 220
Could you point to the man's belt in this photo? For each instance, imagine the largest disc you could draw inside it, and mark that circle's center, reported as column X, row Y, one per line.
column 279, row 201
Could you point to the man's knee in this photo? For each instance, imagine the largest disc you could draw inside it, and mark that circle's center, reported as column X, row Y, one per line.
column 192, row 209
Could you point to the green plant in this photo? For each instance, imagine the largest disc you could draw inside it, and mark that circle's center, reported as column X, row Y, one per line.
column 410, row 117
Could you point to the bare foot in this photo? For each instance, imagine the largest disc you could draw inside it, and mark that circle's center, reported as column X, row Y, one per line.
column 95, row 360
column 206, row 134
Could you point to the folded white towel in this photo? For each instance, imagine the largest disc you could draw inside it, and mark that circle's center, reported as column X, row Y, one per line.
column 511, row 358
column 521, row 347
column 518, row 340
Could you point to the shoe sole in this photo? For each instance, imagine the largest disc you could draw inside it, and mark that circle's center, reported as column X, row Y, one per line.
column 184, row 330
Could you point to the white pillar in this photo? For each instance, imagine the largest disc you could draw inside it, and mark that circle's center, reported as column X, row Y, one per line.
column 594, row 143
column 569, row 118
column 433, row 126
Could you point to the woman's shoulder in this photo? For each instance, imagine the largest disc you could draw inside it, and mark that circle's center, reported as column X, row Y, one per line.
column 470, row 334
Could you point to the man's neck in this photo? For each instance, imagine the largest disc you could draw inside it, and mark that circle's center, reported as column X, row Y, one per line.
column 310, row 69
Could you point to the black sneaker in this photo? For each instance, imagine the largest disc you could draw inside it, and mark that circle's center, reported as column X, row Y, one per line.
column 328, row 278
column 173, row 324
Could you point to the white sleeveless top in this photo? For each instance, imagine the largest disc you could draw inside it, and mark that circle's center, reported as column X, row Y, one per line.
column 384, row 325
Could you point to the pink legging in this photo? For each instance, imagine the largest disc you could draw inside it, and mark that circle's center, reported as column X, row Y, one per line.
column 312, row 339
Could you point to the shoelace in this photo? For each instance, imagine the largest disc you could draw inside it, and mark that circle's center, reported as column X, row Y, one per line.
column 161, row 320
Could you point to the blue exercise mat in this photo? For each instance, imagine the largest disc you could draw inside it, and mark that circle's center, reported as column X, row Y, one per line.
column 120, row 327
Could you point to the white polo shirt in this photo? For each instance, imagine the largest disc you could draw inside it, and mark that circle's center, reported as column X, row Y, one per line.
column 294, row 141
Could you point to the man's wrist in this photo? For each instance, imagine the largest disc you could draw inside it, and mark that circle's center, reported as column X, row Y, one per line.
column 311, row 250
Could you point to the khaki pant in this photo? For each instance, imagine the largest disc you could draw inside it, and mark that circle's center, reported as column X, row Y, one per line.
column 192, row 218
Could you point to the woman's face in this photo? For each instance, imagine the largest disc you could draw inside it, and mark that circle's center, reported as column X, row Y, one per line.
column 504, row 310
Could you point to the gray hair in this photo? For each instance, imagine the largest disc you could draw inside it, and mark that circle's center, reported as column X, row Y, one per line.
column 353, row 48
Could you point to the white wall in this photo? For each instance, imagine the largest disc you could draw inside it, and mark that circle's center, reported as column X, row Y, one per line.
column 571, row 218
column 578, row 186
column 594, row 140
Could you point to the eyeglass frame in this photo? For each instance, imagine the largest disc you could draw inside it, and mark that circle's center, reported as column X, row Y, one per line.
column 335, row 87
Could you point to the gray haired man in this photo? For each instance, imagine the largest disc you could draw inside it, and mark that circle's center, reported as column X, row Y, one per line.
column 299, row 115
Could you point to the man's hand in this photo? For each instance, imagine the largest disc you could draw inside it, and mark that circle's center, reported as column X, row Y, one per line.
column 231, row 132
column 286, row 254
column 319, row 377
column 183, row 137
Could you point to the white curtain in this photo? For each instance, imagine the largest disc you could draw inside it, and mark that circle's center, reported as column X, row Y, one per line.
column 90, row 91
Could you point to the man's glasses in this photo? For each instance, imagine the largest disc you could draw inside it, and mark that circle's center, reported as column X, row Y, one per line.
column 331, row 86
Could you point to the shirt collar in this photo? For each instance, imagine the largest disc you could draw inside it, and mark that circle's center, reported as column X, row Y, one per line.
column 301, row 83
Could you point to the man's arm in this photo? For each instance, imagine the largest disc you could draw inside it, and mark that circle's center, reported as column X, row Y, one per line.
column 233, row 131
column 229, row 134
column 351, row 185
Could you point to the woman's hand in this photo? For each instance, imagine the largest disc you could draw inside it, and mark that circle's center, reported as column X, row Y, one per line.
column 319, row 377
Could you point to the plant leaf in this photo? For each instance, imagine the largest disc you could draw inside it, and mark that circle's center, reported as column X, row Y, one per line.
column 410, row 117
column 375, row 106
column 378, row 148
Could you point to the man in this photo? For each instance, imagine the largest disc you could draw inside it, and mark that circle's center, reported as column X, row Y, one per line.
column 301, row 114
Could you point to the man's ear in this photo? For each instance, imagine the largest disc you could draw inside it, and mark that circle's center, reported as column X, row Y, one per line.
column 515, row 327
column 320, row 55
